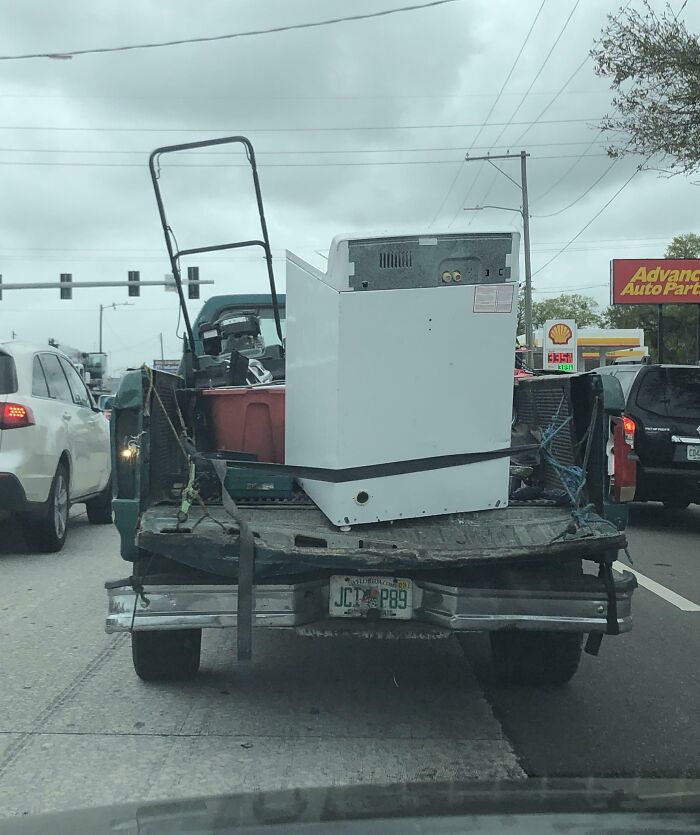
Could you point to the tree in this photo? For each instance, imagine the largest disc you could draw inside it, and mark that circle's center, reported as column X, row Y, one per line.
column 583, row 309
column 653, row 64
column 680, row 320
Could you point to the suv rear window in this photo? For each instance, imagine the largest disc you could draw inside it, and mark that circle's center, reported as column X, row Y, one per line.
column 8, row 375
column 671, row 392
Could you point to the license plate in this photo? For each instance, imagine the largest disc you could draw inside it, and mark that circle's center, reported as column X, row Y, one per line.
column 693, row 452
column 354, row 597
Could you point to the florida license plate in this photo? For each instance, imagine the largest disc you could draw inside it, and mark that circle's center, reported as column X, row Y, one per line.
column 353, row 597
column 693, row 452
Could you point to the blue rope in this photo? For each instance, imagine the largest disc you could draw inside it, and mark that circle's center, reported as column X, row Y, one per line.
column 572, row 477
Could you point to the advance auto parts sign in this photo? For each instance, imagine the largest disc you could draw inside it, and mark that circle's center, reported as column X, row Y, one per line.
column 655, row 281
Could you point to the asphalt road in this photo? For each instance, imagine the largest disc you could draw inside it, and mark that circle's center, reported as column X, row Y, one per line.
column 77, row 728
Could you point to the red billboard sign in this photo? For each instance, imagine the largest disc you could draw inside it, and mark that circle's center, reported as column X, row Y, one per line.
column 655, row 281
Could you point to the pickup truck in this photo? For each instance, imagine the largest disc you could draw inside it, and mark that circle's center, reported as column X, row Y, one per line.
column 536, row 575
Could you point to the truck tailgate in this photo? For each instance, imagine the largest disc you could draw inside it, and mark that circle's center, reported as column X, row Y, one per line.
column 299, row 539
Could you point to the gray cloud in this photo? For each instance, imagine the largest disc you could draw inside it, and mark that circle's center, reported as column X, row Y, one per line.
column 438, row 67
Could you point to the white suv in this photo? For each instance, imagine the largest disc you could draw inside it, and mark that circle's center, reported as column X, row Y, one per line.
column 54, row 444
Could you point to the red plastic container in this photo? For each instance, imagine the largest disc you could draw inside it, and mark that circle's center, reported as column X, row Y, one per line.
column 248, row 420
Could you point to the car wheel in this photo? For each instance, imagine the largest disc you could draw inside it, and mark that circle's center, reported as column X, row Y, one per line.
column 540, row 659
column 171, row 655
column 676, row 504
column 47, row 533
column 99, row 509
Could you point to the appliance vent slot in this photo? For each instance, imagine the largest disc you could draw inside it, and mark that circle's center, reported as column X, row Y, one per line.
column 395, row 260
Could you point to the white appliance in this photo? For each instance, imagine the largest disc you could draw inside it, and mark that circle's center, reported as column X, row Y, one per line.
column 402, row 350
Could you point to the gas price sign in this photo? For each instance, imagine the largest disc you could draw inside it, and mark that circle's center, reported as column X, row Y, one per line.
column 560, row 353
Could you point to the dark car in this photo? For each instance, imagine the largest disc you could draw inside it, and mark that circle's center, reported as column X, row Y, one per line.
column 662, row 413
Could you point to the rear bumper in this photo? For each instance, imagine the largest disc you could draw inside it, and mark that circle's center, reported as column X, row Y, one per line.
column 12, row 495
column 662, row 482
column 582, row 606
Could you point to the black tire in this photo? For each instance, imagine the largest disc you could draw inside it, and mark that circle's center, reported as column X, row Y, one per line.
column 47, row 533
column 99, row 509
column 168, row 655
column 540, row 659
column 676, row 504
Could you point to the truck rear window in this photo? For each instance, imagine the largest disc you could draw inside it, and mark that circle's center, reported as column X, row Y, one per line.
column 8, row 375
column 672, row 392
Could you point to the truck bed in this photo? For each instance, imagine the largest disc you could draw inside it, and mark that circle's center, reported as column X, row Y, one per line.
column 298, row 539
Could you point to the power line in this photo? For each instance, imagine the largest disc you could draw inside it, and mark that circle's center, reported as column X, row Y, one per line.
column 258, row 97
column 522, row 101
column 570, row 168
column 210, row 38
column 595, row 217
column 362, row 164
column 581, row 196
column 553, row 99
column 488, row 116
column 325, row 128
column 258, row 154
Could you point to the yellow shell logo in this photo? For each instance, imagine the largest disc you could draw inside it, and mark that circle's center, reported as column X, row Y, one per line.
column 560, row 334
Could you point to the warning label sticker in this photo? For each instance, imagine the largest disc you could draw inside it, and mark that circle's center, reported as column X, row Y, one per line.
column 494, row 298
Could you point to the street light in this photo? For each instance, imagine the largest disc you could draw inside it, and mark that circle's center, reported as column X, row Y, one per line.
column 113, row 306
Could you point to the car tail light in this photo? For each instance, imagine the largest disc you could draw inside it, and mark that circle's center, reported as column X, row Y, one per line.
column 624, row 460
column 15, row 415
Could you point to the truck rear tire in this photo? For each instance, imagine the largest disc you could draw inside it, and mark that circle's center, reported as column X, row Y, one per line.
column 540, row 659
column 170, row 655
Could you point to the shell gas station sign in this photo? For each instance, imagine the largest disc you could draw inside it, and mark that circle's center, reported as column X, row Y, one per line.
column 560, row 345
column 655, row 281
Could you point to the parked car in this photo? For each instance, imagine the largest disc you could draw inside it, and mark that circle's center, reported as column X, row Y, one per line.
column 662, row 415
column 54, row 444
column 104, row 404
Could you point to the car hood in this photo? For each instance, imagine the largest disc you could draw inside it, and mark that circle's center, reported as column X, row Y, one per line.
column 539, row 806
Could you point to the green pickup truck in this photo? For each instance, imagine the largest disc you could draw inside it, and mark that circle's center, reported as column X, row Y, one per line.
column 216, row 539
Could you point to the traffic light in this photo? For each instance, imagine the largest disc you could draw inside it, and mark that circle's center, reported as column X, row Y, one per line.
column 192, row 289
column 67, row 291
column 134, row 283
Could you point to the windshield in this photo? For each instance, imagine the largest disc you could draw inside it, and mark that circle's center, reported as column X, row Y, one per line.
column 8, row 376
column 382, row 553
column 672, row 392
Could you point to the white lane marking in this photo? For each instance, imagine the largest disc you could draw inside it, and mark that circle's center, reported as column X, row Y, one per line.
column 656, row 588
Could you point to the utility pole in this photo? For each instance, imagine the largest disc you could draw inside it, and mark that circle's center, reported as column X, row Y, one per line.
column 162, row 355
column 529, row 341
column 104, row 307
column 524, row 211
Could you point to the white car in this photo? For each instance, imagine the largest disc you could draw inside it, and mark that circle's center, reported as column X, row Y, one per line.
column 54, row 444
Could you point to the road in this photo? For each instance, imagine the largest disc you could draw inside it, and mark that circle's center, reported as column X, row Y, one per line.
column 77, row 728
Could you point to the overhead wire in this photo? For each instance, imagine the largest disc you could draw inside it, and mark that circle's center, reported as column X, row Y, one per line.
column 453, row 183
column 319, row 129
column 595, row 217
column 71, row 53
column 583, row 194
column 360, row 164
column 258, row 154
column 522, row 101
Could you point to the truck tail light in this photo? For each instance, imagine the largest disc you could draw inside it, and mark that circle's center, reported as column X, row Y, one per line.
column 15, row 415
column 624, row 479
column 629, row 429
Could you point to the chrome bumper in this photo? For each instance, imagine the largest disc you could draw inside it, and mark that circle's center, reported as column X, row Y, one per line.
column 299, row 604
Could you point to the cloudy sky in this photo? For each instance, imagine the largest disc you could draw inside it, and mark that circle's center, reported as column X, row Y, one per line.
column 359, row 127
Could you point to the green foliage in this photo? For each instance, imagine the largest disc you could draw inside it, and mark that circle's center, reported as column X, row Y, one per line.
column 684, row 246
column 652, row 63
column 583, row 309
